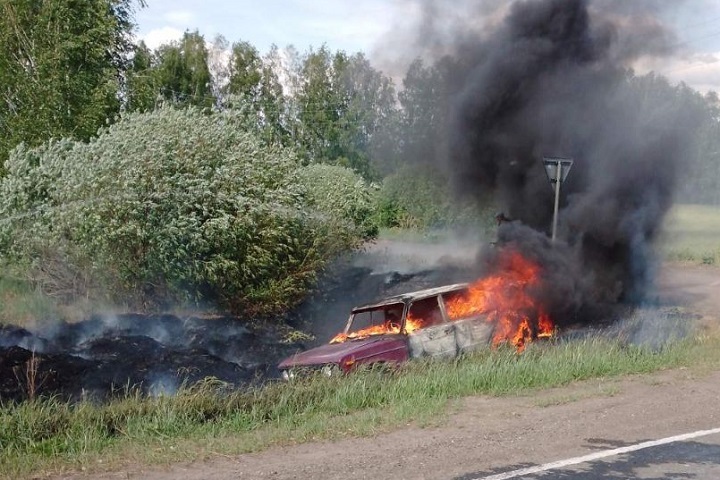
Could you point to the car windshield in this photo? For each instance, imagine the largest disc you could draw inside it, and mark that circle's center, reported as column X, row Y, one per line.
column 381, row 320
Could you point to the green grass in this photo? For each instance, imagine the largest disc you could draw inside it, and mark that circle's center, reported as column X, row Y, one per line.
column 208, row 419
column 693, row 234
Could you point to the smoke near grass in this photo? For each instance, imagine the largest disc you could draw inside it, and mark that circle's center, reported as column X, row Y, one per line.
column 552, row 78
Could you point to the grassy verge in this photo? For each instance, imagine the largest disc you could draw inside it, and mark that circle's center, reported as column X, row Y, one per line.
column 693, row 234
column 208, row 419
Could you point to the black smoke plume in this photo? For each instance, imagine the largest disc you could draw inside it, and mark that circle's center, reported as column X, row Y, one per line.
column 552, row 78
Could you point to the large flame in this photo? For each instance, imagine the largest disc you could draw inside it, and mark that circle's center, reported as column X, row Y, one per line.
column 505, row 300
column 502, row 298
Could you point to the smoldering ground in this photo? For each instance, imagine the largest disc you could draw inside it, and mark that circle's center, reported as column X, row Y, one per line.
column 539, row 78
column 108, row 355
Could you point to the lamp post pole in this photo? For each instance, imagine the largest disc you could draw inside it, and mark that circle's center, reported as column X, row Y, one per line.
column 558, row 180
column 557, row 168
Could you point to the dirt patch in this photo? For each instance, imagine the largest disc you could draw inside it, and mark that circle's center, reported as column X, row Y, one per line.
column 694, row 287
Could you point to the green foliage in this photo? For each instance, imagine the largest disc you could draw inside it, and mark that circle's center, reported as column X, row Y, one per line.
column 245, row 67
column 60, row 68
column 175, row 205
column 21, row 304
column 183, row 73
column 344, row 201
column 142, row 85
column 253, row 87
column 342, row 103
column 699, row 171
column 421, row 198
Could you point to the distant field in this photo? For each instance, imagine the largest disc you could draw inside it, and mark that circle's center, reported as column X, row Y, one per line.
column 692, row 234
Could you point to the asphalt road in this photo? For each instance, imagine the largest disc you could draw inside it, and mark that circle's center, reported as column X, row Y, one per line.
column 693, row 458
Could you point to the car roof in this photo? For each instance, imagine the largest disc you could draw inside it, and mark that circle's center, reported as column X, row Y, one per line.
column 412, row 296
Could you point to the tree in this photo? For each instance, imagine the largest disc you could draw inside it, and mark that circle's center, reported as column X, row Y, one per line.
column 342, row 104
column 368, row 99
column 272, row 101
column 183, row 73
column 317, row 112
column 61, row 64
column 423, row 100
column 244, row 71
column 253, row 85
column 142, row 88
column 218, row 65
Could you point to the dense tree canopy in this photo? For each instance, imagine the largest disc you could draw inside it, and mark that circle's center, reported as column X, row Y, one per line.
column 61, row 65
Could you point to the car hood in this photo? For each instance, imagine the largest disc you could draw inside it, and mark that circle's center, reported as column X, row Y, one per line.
column 334, row 352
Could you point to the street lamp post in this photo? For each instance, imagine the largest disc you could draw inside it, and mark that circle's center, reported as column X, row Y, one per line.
column 557, row 169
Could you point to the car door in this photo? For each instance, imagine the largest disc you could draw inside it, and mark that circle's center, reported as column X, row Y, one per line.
column 434, row 337
column 473, row 331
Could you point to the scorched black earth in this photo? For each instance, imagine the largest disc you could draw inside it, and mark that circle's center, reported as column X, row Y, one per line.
column 108, row 355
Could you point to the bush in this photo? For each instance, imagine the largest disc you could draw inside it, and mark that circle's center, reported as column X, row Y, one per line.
column 421, row 198
column 176, row 205
column 344, row 199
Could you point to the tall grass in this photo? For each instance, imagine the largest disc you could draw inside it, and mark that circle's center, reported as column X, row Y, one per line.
column 49, row 434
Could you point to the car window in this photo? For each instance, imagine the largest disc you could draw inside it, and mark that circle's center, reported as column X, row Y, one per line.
column 457, row 304
column 425, row 312
column 381, row 316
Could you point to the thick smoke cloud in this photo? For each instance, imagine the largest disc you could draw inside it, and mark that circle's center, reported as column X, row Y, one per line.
column 551, row 78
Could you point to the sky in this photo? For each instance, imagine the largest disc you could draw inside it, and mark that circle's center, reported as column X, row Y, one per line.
column 366, row 25
column 341, row 24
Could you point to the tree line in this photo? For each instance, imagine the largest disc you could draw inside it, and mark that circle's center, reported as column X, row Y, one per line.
column 67, row 70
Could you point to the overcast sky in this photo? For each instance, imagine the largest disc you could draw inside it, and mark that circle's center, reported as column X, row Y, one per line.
column 360, row 25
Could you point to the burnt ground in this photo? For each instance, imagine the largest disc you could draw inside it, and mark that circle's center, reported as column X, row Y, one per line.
column 110, row 354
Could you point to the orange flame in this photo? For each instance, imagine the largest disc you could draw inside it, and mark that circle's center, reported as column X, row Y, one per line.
column 411, row 324
column 504, row 299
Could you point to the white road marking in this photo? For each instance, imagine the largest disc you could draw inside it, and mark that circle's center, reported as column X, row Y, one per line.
column 598, row 455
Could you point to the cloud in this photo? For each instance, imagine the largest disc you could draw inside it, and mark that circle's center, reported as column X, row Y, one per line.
column 181, row 18
column 159, row 36
column 701, row 75
column 701, row 71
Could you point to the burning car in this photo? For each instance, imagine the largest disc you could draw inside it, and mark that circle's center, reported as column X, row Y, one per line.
column 395, row 329
column 437, row 322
